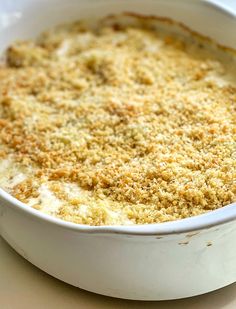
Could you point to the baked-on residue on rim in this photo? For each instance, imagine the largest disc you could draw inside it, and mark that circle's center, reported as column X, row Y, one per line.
column 141, row 121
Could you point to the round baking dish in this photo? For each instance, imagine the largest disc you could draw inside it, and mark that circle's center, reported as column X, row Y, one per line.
column 146, row 262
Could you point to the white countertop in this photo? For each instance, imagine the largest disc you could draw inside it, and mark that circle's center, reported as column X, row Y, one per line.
column 23, row 286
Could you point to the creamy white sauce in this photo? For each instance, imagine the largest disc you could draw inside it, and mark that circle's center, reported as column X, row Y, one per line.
column 17, row 179
column 64, row 48
column 48, row 201
column 83, row 210
column 73, row 190
column 4, row 165
column 221, row 80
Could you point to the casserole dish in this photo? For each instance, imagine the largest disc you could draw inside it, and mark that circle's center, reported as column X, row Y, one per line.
column 146, row 262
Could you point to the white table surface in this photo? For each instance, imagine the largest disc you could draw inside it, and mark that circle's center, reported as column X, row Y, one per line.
column 23, row 286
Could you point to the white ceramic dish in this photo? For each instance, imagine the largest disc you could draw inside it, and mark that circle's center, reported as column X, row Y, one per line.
column 152, row 262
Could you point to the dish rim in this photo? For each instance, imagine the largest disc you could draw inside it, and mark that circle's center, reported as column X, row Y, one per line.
column 210, row 219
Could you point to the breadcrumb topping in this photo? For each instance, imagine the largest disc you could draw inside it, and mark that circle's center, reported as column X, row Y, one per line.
column 118, row 123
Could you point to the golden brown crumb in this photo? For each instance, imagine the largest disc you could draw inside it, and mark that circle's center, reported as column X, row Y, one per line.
column 119, row 125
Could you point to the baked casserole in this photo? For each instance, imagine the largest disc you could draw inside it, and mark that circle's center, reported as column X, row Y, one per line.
column 131, row 120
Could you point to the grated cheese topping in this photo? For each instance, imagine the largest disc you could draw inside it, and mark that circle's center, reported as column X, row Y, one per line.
column 120, row 123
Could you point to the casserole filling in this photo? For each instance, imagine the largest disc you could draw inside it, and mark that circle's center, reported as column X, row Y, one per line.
column 130, row 121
